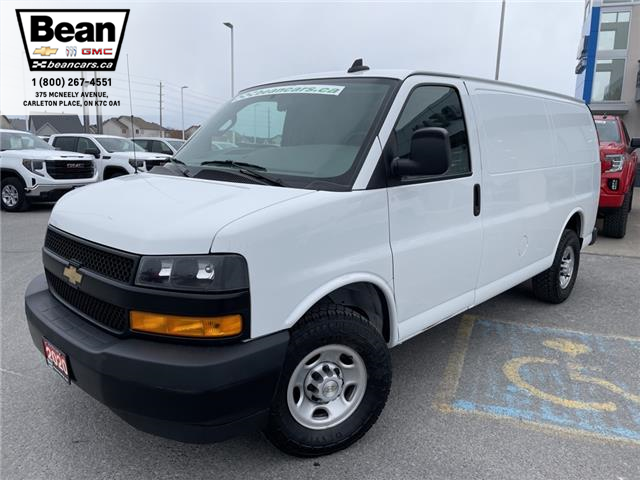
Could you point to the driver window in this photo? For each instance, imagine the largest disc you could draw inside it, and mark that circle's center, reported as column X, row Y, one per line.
column 85, row 144
column 435, row 106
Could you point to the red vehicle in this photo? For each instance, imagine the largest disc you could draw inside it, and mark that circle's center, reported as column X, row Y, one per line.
column 619, row 163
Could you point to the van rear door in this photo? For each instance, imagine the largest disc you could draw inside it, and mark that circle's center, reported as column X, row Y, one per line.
column 435, row 231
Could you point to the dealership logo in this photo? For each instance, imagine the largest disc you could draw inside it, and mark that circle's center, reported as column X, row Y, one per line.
column 96, row 35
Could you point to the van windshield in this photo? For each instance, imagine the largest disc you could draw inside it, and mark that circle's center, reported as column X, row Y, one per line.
column 608, row 131
column 309, row 134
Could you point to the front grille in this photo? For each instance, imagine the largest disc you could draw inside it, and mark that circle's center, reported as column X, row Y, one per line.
column 103, row 313
column 70, row 169
column 100, row 261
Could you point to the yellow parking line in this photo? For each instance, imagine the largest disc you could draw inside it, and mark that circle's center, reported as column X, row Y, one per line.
column 452, row 372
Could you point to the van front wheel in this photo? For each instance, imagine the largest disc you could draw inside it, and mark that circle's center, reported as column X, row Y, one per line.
column 334, row 383
column 554, row 285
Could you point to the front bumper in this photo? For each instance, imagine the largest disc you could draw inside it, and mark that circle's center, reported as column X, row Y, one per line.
column 191, row 393
column 53, row 191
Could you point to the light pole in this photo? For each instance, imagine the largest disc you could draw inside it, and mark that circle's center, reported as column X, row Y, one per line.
column 182, row 106
column 504, row 4
column 230, row 26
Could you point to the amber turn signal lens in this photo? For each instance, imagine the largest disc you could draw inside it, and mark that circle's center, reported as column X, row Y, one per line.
column 200, row 327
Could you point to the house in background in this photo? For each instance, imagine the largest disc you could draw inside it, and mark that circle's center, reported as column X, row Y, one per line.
column 5, row 122
column 45, row 125
column 190, row 131
column 122, row 126
column 18, row 124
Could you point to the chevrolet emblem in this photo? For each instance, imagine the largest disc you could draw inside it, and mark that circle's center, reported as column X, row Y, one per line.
column 45, row 51
column 72, row 275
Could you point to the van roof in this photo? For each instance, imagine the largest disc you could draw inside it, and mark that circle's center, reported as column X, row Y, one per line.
column 402, row 74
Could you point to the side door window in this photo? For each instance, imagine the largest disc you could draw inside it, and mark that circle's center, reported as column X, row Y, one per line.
column 161, row 147
column 143, row 143
column 85, row 144
column 65, row 143
column 435, row 106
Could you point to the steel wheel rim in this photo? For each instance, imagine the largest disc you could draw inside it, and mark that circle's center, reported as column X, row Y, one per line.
column 327, row 387
column 10, row 195
column 567, row 264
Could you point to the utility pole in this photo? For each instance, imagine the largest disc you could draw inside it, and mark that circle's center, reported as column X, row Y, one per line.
column 504, row 3
column 182, row 106
column 98, row 106
column 229, row 25
column 161, row 129
column 85, row 110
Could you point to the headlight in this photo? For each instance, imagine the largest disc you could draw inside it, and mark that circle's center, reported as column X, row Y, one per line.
column 617, row 162
column 135, row 163
column 205, row 273
column 33, row 166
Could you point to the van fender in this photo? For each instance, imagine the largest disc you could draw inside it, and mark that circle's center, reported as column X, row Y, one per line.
column 581, row 234
column 338, row 282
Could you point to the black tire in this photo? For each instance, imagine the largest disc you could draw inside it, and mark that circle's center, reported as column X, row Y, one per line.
column 615, row 220
column 327, row 325
column 546, row 285
column 22, row 203
column 631, row 190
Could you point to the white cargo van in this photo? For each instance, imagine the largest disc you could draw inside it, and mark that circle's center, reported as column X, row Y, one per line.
column 261, row 285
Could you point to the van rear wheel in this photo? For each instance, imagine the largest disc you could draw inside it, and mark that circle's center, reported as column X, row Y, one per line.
column 334, row 383
column 555, row 284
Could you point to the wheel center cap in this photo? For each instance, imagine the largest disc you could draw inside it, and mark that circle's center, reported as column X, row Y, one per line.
column 330, row 389
column 323, row 383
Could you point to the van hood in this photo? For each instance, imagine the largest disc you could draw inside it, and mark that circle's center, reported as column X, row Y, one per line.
column 43, row 154
column 161, row 215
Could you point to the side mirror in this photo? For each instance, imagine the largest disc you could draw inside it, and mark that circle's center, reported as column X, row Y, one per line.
column 430, row 154
column 93, row 151
column 635, row 143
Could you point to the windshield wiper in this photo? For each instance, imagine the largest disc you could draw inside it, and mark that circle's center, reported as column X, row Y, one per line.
column 248, row 169
column 178, row 164
column 233, row 163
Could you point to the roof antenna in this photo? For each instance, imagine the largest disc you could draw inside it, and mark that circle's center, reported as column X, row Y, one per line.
column 357, row 66
column 133, row 130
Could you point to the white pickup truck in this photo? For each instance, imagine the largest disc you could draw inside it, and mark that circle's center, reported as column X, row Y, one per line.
column 115, row 156
column 261, row 285
column 32, row 170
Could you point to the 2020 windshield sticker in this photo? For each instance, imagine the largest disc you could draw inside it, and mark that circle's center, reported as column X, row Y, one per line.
column 308, row 89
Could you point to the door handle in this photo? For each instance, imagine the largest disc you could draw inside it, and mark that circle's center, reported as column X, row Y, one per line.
column 476, row 200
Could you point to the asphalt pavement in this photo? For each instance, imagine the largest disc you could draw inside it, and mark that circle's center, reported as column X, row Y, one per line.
column 514, row 389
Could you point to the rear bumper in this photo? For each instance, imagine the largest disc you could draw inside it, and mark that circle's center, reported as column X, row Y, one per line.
column 191, row 393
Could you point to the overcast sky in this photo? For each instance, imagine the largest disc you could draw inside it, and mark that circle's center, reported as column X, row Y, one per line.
column 186, row 44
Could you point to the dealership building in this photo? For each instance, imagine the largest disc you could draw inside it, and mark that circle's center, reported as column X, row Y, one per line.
column 609, row 60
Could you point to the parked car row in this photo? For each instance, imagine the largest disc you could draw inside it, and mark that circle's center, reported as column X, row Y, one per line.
column 34, row 170
column 115, row 156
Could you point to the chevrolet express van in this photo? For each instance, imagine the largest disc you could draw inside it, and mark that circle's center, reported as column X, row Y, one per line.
column 262, row 285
